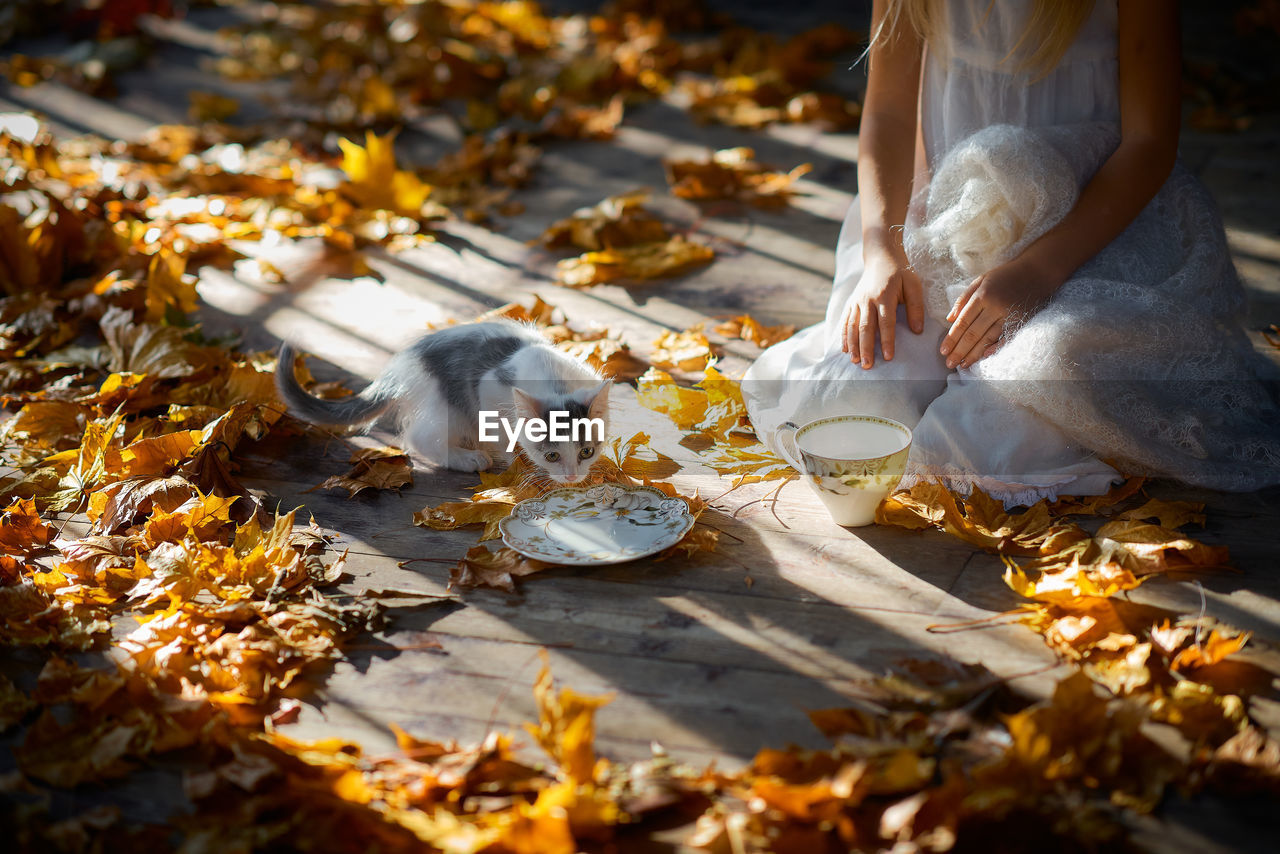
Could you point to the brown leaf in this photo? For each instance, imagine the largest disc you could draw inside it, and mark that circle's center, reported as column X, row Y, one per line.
column 613, row 223
column 1169, row 514
column 374, row 468
column 22, row 531
column 146, row 348
column 497, row 569
column 116, row 507
column 732, row 173
column 641, row 261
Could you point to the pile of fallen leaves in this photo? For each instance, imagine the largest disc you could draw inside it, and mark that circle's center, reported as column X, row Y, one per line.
column 124, row 529
column 1173, row 667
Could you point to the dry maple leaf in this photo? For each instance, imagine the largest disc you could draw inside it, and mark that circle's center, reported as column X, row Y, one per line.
column 498, row 569
column 747, row 328
column 1169, row 514
column 980, row 520
column 566, row 726
column 641, row 261
column 685, row 351
column 374, row 181
column 375, row 468
column 22, row 531
column 732, row 173
column 615, row 222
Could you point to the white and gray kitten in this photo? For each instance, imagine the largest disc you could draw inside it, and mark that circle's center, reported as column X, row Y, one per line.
column 438, row 386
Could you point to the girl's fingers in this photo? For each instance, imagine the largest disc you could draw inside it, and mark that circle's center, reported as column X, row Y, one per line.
column 867, row 338
column 971, row 350
column 959, row 328
column 967, row 336
column 964, row 299
column 988, row 345
column 913, row 296
column 844, row 330
column 851, row 334
column 887, row 318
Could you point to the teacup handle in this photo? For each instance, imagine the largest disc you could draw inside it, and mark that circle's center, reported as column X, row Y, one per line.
column 787, row 442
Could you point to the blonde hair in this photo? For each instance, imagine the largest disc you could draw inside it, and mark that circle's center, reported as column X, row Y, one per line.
column 1051, row 28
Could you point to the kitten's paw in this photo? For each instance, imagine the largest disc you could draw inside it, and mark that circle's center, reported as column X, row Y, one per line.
column 463, row 459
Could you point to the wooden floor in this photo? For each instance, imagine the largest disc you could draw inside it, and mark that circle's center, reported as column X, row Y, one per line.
column 713, row 657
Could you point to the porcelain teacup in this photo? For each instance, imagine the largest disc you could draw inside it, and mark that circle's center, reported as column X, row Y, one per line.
column 852, row 462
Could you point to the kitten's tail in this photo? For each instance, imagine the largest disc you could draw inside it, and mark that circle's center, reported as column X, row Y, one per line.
column 358, row 409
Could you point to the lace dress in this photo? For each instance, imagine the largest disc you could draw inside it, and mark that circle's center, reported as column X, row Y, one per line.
column 1139, row 360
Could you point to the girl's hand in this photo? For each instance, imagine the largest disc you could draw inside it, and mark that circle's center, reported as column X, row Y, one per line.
column 978, row 318
column 886, row 282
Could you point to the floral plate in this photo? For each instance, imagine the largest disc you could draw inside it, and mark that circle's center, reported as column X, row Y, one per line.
column 597, row 525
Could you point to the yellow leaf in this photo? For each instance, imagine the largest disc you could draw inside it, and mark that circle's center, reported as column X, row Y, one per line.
column 168, row 286
column 1169, row 514
column 1213, row 649
column 566, row 726
column 375, row 182
column 22, row 531
column 747, row 328
column 686, row 351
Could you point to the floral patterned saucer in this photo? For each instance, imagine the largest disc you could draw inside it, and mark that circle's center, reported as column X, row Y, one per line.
column 597, row 525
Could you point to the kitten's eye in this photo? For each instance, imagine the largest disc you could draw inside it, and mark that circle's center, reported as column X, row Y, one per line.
column 586, row 453
column 552, row 456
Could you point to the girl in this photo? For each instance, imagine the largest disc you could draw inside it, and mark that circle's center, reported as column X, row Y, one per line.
column 1028, row 279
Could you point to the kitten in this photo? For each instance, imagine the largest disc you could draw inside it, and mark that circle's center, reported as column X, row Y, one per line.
column 440, row 384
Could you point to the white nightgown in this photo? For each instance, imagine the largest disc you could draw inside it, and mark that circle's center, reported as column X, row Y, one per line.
column 1139, row 359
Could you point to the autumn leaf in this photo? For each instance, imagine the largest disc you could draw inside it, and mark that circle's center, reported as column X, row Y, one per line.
column 636, row 459
column 22, row 531
column 566, row 726
column 497, row 569
column 374, row 468
column 169, row 288
column 613, row 223
column 147, row 349
column 201, row 517
column 1168, row 514
column 374, row 181
column 732, row 173
column 457, row 514
column 119, row 505
column 640, row 261
column 747, row 328
column 686, row 351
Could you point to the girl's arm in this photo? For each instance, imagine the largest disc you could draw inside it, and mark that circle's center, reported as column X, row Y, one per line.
column 886, row 154
column 1149, row 57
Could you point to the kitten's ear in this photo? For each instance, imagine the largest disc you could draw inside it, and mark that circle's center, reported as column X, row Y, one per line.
column 599, row 405
column 527, row 406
